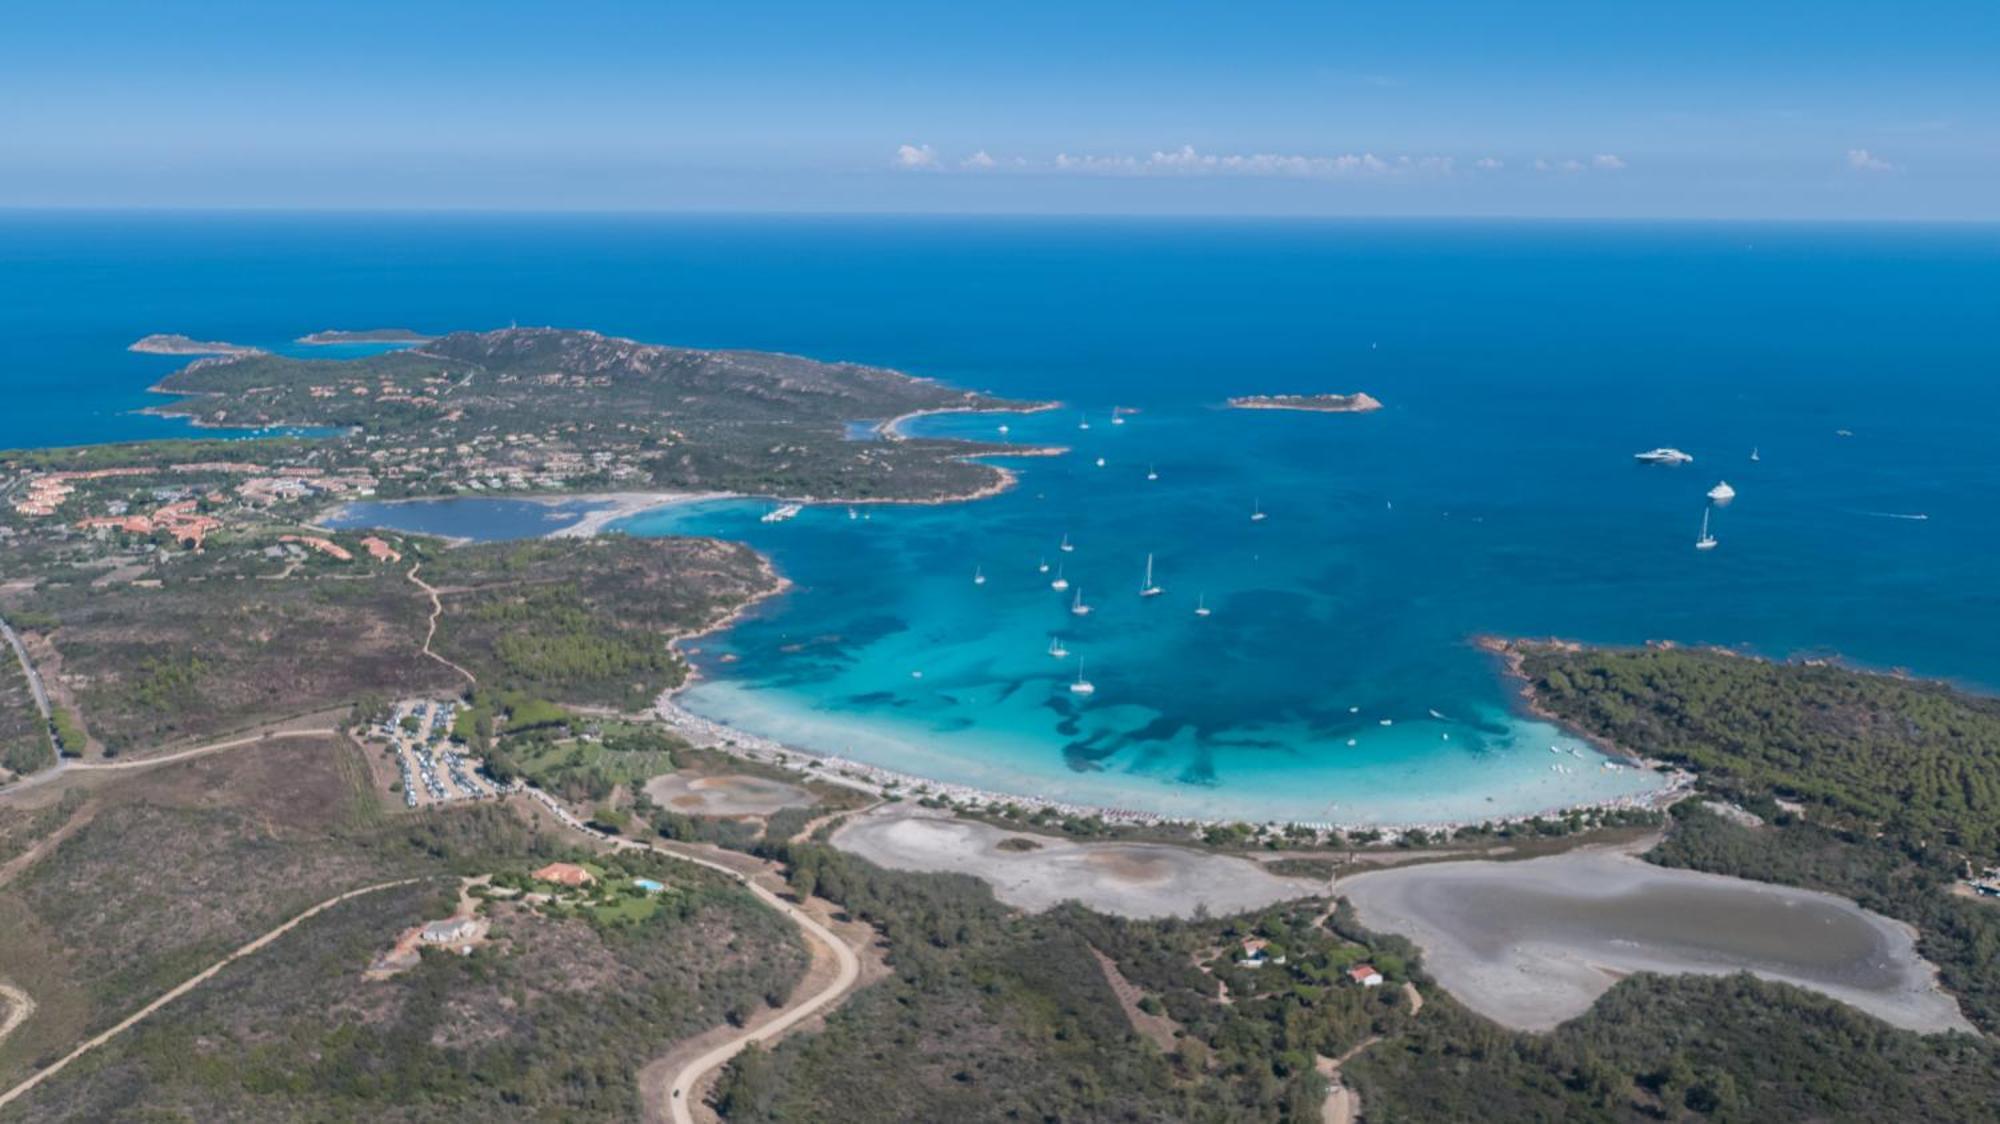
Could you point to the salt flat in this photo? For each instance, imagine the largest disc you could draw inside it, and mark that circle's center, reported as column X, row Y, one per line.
column 1138, row 880
column 1531, row 944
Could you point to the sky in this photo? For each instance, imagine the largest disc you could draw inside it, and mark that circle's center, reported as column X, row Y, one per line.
column 1831, row 109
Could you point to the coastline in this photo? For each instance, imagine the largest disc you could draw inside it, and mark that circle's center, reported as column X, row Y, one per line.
column 892, row 429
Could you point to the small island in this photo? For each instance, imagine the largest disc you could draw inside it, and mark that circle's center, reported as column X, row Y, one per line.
column 367, row 335
column 1318, row 403
column 161, row 343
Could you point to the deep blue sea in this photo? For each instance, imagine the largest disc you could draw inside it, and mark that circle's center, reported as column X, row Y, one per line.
column 1521, row 365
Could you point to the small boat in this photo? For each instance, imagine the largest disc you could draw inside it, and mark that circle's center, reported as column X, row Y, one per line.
column 1056, row 648
column 1076, row 605
column 1083, row 424
column 1663, row 455
column 1004, row 430
column 1152, row 473
column 1082, row 686
column 1201, row 608
column 1066, row 547
column 978, row 576
column 1147, row 588
column 780, row 514
column 1257, row 511
column 1753, row 454
column 1060, row 582
column 1117, row 416
column 1387, row 722
column 1100, row 462
column 916, row 675
column 1706, row 541
column 1722, row 493
column 853, row 514
column 1043, row 565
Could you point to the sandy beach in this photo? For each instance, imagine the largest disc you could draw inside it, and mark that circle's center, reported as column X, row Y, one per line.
column 1532, row 944
column 1138, row 880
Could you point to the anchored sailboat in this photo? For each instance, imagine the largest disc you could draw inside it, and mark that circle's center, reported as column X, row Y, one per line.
column 1076, row 605
column 1706, row 541
column 1257, row 511
column 1043, row 565
column 1147, row 588
column 1065, row 547
column 978, row 576
column 1082, row 686
column 1060, row 583
column 1056, row 648
column 1201, row 605
column 1152, row 473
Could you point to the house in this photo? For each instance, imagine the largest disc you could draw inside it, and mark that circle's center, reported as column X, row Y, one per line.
column 449, row 931
column 1365, row 975
column 1257, row 953
column 565, row 874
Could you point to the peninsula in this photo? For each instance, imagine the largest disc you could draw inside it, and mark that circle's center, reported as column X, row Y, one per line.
column 1314, row 403
column 366, row 335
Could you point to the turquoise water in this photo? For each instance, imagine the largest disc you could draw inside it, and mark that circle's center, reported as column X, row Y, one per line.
column 1521, row 365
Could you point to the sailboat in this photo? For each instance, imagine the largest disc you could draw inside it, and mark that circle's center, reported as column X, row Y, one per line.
column 1152, row 473
column 1082, row 686
column 1147, row 588
column 1201, row 605
column 978, row 576
column 1043, row 565
column 1117, row 418
column 1066, row 547
column 1056, row 648
column 1061, row 583
column 1257, row 511
column 1083, row 424
column 1706, row 541
column 1076, row 605
column 1753, row 454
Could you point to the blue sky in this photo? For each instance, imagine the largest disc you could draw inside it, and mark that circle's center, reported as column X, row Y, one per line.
column 1758, row 108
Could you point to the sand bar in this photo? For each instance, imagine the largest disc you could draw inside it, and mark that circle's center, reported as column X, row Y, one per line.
column 1139, row 880
column 1532, row 944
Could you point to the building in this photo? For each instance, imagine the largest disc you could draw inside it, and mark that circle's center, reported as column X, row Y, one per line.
column 1257, row 953
column 565, row 874
column 1365, row 975
column 449, row 931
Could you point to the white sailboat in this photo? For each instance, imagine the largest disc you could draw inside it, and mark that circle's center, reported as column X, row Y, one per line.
column 1082, row 686
column 1147, row 588
column 1056, row 648
column 1257, row 511
column 1117, row 416
column 1076, row 605
column 1083, row 423
column 1706, row 541
column 1060, row 583
column 978, row 576
column 1753, row 454
column 1201, row 608
column 1066, row 547
column 1043, row 565
column 1152, row 473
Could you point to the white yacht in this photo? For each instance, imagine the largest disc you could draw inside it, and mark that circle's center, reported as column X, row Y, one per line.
column 1100, row 462
column 1722, row 493
column 1082, row 686
column 1076, row 605
column 1706, row 541
column 1147, row 588
column 1004, row 430
column 1663, row 455
column 780, row 514
column 1060, row 582
column 1201, row 608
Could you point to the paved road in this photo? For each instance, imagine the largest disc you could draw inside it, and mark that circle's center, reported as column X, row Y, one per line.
column 188, row 985
column 680, row 1086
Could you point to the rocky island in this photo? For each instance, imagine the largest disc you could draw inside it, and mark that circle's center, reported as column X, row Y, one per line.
column 164, row 343
column 1317, row 403
column 366, row 335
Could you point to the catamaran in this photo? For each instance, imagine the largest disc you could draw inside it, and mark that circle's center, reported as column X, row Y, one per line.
column 1061, row 582
column 1257, row 511
column 1147, row 588
column 1201, row 605
column 1076, row 605
column 1056, row 648
column 1706, row 541
column 1082, row 686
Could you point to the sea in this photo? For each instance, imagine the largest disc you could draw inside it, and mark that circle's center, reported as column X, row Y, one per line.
column 1841, row 378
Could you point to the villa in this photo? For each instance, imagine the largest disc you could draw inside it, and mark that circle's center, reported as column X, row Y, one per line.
column 564, row 874
column 1365, row 975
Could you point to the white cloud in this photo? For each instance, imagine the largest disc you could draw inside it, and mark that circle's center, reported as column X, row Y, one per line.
column 1862, row 160
column 1605, row 162
column 978, row 160
column 1186, row 161
column 1489, row 164
column 915, row 156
